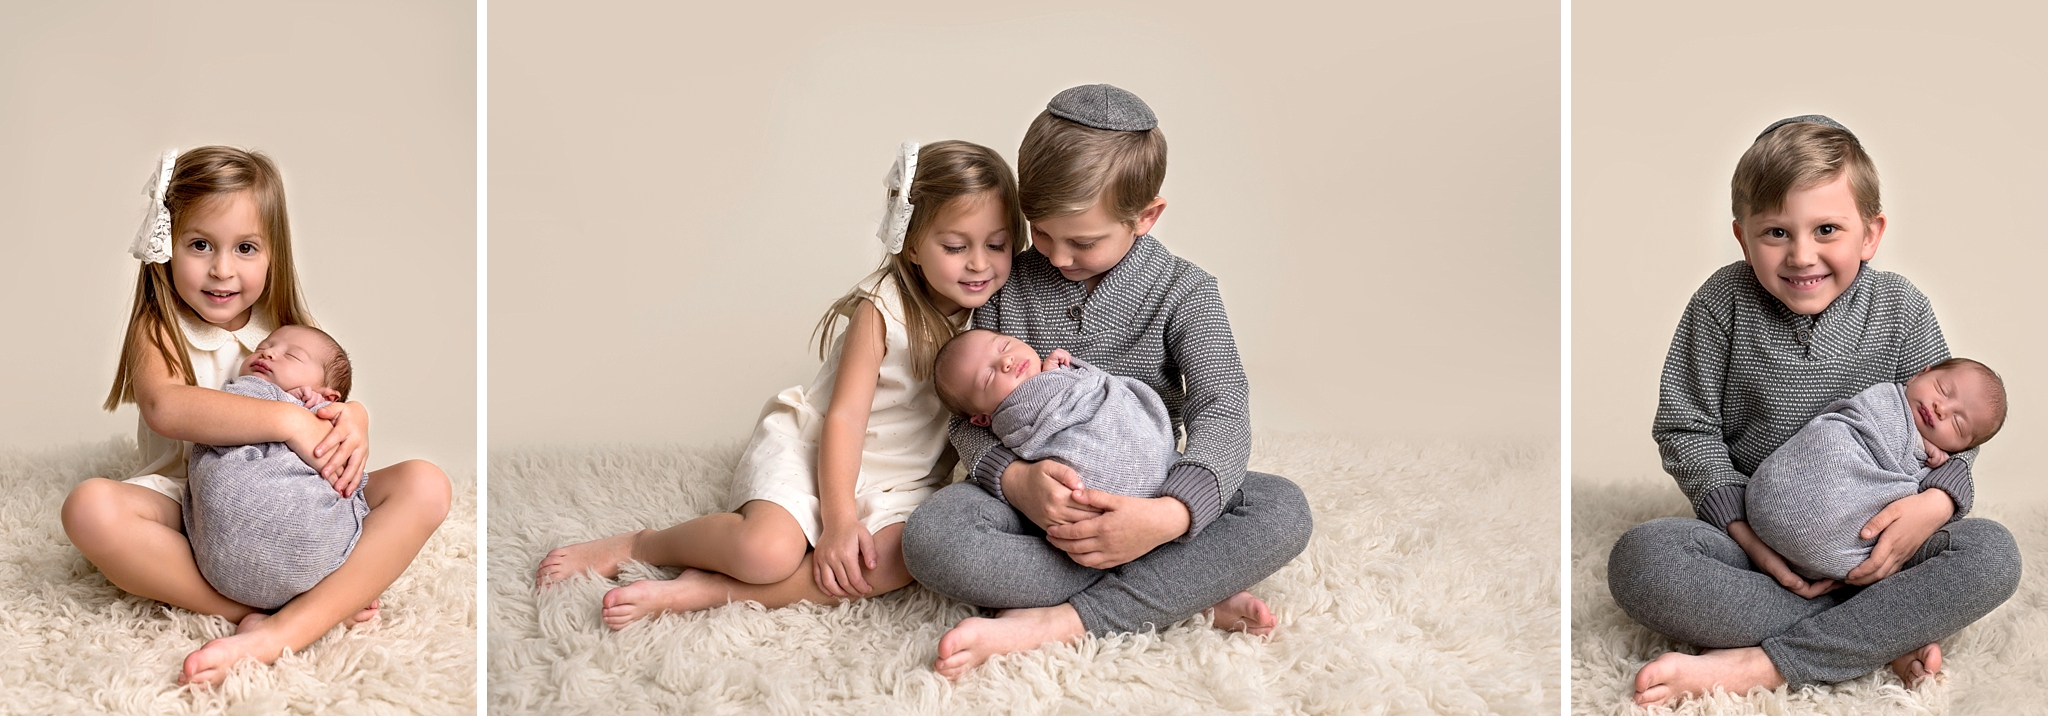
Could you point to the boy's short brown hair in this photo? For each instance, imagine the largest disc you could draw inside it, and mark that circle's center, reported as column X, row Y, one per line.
column 1065, row 167
column 1800, row 155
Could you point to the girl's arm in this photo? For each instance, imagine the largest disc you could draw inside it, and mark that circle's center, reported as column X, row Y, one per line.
column 844, row 545
column 212, row 417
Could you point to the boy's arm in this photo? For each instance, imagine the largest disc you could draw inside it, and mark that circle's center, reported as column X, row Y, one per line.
column 1922, row 346
column 1688, row 427
column 1218, row 408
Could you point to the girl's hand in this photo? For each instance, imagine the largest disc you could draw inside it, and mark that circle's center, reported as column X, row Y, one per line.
column 346, row 450
column 1900, row 529
column 1128, row 528
column 843, row 549
column 1044, row 492
column 1770, row 562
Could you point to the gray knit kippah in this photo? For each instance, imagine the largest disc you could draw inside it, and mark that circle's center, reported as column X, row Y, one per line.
column 1819, row 119
column 1103, row 107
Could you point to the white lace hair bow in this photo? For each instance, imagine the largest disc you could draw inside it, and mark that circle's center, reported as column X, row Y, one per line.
column 896, row 215
column 153, row 241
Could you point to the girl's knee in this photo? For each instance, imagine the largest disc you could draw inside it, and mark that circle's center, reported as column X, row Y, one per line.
column 425, row 486
column 768, row 556
column 91, row 507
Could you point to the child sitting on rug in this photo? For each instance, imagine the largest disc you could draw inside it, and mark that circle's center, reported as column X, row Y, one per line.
column 1812, row 497
column 264, row 525
column 822, row 490
column 1113, row 430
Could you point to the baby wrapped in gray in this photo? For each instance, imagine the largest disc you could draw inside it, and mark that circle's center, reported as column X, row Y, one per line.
column 264, row 525
column 1112, row 430
column 1810, row 499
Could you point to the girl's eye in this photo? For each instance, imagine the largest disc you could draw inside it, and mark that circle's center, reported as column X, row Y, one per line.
column 951, row 249
column 246, row 248
column 200, row 245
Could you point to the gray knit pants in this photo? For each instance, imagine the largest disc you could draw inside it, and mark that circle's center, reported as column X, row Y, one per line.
column 966, row 544
column 1690, row 581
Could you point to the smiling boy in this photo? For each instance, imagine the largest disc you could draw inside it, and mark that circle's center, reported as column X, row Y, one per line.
column 1030, row 538
column 1764, row 345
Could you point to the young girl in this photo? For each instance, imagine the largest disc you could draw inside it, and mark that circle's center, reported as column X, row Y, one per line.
column 216, row 278
column 833, row 470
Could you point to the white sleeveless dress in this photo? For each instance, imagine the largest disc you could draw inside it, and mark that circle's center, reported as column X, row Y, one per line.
column 906, row 434
column 217, row 354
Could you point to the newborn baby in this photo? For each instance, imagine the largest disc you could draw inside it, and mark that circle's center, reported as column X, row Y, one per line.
column 264, row 525
column 1810, row 499
column 1114, row 431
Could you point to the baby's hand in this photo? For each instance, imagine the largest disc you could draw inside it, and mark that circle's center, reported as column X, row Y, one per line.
column 1935, row 456
column 1058, row 358
column 307, row 394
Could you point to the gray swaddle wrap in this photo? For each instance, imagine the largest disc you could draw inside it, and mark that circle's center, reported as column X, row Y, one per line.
column 1112, row 430
column 1810, row 499
column 264, row 525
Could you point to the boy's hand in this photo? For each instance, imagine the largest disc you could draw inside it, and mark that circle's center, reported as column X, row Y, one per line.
column 1770, row 562
column 1128, row 528
column 1058, row 358
column 1900, row 529
column 1044, row 492
column 1935, row 456
column 844, row 548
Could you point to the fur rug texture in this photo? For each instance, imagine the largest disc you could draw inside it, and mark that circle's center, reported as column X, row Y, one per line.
column 72, row 643
column 1995, row 666
column 1429, row 587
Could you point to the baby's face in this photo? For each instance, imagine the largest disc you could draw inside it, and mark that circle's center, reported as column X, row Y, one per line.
column 986, row 368
column 1951, row 406
column 292, row 357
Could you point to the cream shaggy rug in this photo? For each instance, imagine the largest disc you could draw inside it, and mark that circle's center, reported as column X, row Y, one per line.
column 1430, row 586
column 70, row 642
column 1997, row 666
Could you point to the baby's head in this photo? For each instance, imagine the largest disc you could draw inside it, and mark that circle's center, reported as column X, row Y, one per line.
column 1807, row 211
column 978, row 369
column 301, row 356
column 1957, row 404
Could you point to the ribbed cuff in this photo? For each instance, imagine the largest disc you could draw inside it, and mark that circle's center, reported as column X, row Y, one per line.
column 1953, row 477
column 1194, row 486
column 1723, row 505
column 988, row 473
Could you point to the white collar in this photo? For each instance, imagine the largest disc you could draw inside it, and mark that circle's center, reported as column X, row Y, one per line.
column 208, row 337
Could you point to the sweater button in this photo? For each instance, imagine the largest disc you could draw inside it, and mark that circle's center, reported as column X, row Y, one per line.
column 1074, row 312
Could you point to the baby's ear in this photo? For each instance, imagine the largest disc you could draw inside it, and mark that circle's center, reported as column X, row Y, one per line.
column 332, row 395
column 981, row 420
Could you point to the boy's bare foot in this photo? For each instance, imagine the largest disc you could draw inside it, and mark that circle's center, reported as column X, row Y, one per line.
column 1674, row 675
column 975, row 639
column 210, row 664
column 1243, row 612
column 693, row 590
column 599, row 555
column 1918, row 664
column 364, row 616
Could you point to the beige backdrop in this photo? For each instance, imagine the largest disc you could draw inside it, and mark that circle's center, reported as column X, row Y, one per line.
column 1665, row 99
column 368, row 108
column 677, row 193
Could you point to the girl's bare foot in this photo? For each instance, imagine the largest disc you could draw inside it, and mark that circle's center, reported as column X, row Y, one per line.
column 975, row 639
column 364, row 616
column 1918, row 664
column 1243, row 612
column 1674, row 675
column 693, row 590
column 210, row 664
column 599, row 555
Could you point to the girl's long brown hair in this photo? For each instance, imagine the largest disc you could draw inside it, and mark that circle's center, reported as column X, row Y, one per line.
column 202, row 176
column 946, row 171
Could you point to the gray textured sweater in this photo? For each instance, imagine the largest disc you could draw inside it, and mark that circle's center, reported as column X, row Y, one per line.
column 1154, row 317
column 1745, row 373
column 1810, row 499
column 1111, row 429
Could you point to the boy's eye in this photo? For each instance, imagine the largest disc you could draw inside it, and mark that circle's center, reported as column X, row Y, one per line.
column 1775, row 233
column 1827, row 230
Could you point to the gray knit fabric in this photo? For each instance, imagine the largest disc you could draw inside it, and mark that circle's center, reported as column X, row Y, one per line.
column 1154, row 317
column 1820, row 119
column 1112, row 430
column 264, row 526
column 1745, row 373
column 1810, row 499
column 1103, row 107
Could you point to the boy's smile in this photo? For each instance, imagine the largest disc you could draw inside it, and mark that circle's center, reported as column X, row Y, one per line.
column 1807, row 252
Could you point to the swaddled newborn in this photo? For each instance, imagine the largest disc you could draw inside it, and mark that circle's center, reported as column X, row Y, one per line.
column 264, row 525
column 1811, row 498
column 1114, row 431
